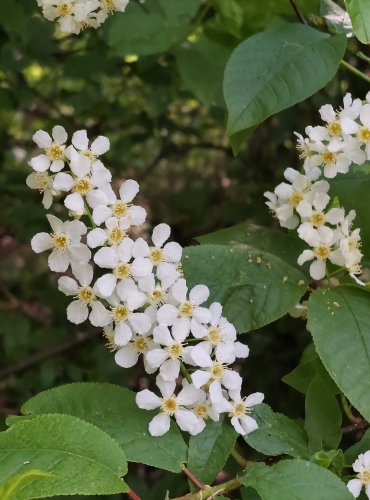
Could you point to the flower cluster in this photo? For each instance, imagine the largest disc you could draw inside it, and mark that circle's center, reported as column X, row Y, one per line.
column 135, row 289
column 362, row 467
column 75, row 15
column 304, row 203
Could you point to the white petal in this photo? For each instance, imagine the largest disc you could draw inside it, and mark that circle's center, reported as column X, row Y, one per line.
column 80, row 140
column 101, row 214
column 189, row 422
column 80, row 164
column 167, row 314
column 162, row 335
column 40, row 163
column 77, row 312
column 42, row 139
column 199, row 294
column 99, row 315
column 126, row 357
column 147, row 400
column 159, row 425
column 200, row 378
column 170, row 369
column 355, row 486
column 201, row 355
column 136, row 215
column 75, row 229
column 67, row 285
column 140, row 322
column 41, row 242
column 100, row 146
column 140, row 248
column 179, row 290
column 80, row 252
column 59, row 134
column 58, row 262
column 161, row 233
column 189, row 395
column 75, row 203
column 96, row 238
column 232, row 380
column 317, row 269
column 106, row 257
column 83, row 272
column 241, row 350
column 128, row 190
column 123, row 334
column 254, row 399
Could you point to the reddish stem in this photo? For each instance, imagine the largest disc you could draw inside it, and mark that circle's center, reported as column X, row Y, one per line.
column 193, row 479
column 133, row 495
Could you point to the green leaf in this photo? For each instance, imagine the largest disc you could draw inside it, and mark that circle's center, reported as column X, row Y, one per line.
column 295, row 480
column 9, row 489
column 352, row 191
column 201, row 66
column 354, row 451
column 209, row 450
column 231, row 15
column 113, row 409
column 323, row 416
column 333, row 459
column 254, row 287
column 276, row 69
column 81, row 458
column 339, row 320
column 337, row 19
column 150, row 28
column 285, row 245
column 277, row 434
column 359, row 12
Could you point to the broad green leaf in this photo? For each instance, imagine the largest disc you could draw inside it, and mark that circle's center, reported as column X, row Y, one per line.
column 295, row 480
column 254, row 287
column 352, row 191
column 323, row 416
column 362, row 446
column 150, row 28
column 339, row 321
column 113, row 409
column 337, row 19
column 81, row 458
column 359, row 12
column 276, row 69
column 209, row 450
column 9, row 489
column 309, row 366
column 277, row 434
column 201, row 66
column 283, row 244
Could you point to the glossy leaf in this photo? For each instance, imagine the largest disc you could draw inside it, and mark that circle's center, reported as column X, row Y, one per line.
column 359, row 12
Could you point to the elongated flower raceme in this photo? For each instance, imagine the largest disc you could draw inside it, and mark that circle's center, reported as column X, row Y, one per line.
column 303, row 201
column 135, row 290
column 76, row 15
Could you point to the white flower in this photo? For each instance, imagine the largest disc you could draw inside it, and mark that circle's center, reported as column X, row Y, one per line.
column 170, row 252
column 362, row 467
column 168, row 358
column 113, row 234
column 97, row 148
column 241, row 421
column 43, row 182
column 216, row 373
column 119, row 259
column 127, row 322
column 65, row 240
column 128, row 355
column 189, row 309
column 54, row 148
column 78, row 310
column 322, row 240
column 111, row 5
column 171, row 406
column 204, row 407
column 121, row 207
column 157, row 290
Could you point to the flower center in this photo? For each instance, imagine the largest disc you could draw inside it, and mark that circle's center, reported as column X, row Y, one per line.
column 317, row 219
column 141, row 344
column 42, row 179
column 238, row 409
column 217, row 371
column 120, row 313
column 334, row 128
column 116, row 236
column 329, row 157
column 364, row 135
column 55, row 152
column 122, row 271
column 186, row 309
column 214, row 335
column 83, row 186
column 119, row 209
column 64, row 9
column 108, row 334
column 156, row 296
column 364, row 476
column 60, row 241
column 174, row 350
column 109, row 5
column 156, row 255
column 88, row 153
column 169, row 405
column 322, row 252
column 201, row 411
column 86, row 295
column 295, row 199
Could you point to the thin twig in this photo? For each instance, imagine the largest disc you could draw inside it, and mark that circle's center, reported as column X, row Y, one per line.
column 192, row 478
column 355, row 427
column 298, row 12
column 131, row 494
column 233, row 484
column 243, row 462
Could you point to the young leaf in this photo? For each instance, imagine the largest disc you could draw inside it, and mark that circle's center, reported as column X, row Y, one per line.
column 277, row 434
column 113, row 409
column 81, row 458
column 254, row 287
column 323, row 416
column 295, row 479
column 209, row 450
column 276, row 69
column 359, row 12
column 336, row 18
column 339, row 321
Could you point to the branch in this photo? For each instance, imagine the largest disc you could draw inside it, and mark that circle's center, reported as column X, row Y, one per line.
column 298, row 12
column 355, row 427
column 192, row 478
column 233, row 484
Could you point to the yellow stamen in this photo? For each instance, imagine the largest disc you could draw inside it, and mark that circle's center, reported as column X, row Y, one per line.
column 60, row 241
column 169, row 405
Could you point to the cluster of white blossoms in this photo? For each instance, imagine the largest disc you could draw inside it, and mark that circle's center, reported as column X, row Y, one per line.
column 362, row 467
column 135, row 289
column 75, row 15
column 304, row 203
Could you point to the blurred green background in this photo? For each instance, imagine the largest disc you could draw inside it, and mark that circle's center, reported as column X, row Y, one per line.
column 150, row 80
